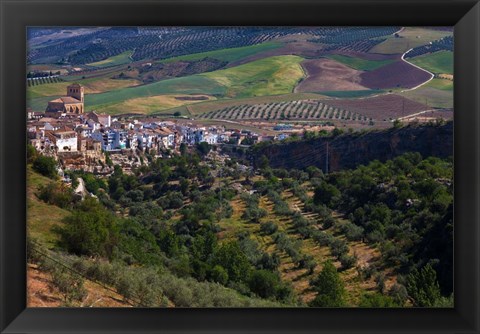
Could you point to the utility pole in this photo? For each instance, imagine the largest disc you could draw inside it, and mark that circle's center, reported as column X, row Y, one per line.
column 326, row 161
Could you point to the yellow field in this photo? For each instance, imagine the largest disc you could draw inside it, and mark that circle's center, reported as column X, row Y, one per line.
column 148, row 105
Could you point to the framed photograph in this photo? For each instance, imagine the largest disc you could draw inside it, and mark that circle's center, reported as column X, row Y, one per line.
column 239, row 166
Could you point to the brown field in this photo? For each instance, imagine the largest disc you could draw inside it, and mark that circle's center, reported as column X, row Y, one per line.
column 329, row 75
column 382, row 107
column 395, row 75
column 367, row 56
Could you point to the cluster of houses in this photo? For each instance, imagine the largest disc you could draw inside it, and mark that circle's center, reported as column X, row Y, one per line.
column 92, row 131
column 65, row 130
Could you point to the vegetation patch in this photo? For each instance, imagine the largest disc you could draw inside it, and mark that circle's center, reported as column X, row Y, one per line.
column 120, row 59
column 438, row 62
column 268, row 76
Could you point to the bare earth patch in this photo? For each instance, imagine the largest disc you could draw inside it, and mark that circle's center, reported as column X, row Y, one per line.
column 329, row 75
column 42, row 293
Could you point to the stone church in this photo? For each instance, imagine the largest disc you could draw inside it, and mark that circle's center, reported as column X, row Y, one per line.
column 70, row 104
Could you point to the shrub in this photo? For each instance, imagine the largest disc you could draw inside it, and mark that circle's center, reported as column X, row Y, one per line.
column 268, row 228
column 47, row 166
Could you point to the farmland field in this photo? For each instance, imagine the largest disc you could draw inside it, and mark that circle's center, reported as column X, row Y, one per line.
column 409, row 38
column 384, row 107
column 230, row 55
column 361, row 64
column 439, row 62
column 395, row 75
column 123, row 58
column 326, row 74
column 151, row 104
column 433, row 97
column 92, row 86
column 269, row 76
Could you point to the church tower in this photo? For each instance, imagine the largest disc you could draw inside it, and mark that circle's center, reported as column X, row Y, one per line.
column 76, row 91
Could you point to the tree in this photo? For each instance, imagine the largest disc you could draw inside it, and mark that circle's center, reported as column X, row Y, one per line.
column 90, row 230
column 376, row 300
column 47, row 166
column 330, row 288
column 263, row 162
column 326, row 194
column 264, row 283
column 31, row 153
column 230, row 256
column 423, row 286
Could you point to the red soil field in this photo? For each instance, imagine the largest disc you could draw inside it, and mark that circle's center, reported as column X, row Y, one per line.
column 328, row 75
column 382, row 107
column 397, row 74
column 367, row 56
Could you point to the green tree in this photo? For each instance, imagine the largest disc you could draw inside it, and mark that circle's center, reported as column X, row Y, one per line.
column 230, row 256
column 90, row 230
column 46, row 166
column 423, row 286
column 31, row 154
column 376, row 300
column 330, row 288
column 326, row 194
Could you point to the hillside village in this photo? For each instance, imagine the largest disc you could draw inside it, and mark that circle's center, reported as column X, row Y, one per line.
column 79, row 140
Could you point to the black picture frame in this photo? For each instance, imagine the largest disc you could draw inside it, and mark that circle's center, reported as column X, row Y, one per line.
column 16, row 15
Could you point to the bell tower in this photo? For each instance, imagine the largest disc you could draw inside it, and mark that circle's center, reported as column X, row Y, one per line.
column 76, row 91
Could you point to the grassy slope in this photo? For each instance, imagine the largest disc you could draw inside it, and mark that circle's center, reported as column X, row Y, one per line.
column 229, row 55
column 268, row 76
column 92, row 86
column 438, row 62
column 186, row 85
column 410, row 37
column 436, row 98
column 123, row 58
column 41, row 217
column 148, row 105
column 361, row 64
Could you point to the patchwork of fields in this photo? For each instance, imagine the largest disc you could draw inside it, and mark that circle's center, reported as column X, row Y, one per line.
column 233, row 79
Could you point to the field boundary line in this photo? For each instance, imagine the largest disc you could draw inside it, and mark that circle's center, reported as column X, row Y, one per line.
column 424, row 70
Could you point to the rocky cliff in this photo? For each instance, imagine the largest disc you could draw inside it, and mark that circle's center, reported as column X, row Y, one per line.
column 350, row 150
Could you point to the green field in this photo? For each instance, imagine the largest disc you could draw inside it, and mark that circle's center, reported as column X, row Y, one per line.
column 229, row 55
column 409, row 38
column 92, row 85
column 361, row 64
column 268, row 76
column 122, row 58
column 433, row 97
column 441, row 84
column 438, row 62
column 195, row 84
